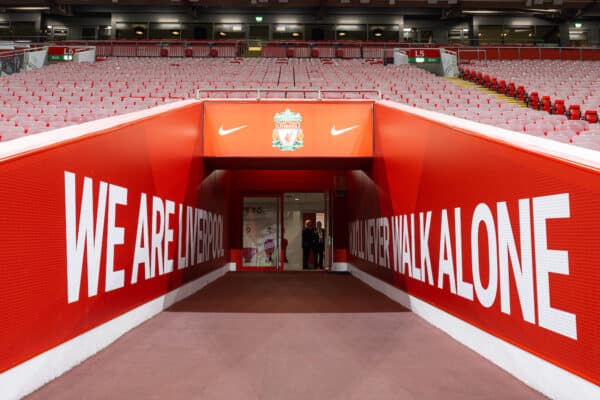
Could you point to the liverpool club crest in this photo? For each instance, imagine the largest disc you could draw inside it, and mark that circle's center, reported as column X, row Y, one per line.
column 287, row 135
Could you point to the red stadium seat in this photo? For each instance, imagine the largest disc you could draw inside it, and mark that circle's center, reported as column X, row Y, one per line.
column 591, row 116
column 574, row 112
column 533, row 100
column 521, row 92
column 486, row 81
column 559, row 107
column 494, row 83
column 546, row 103
column 512, row 89
column 502, row 86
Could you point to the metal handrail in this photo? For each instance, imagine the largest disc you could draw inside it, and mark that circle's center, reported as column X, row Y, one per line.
column 262, row 90
column 19, row 51
column 37, row 47
column 472, row 50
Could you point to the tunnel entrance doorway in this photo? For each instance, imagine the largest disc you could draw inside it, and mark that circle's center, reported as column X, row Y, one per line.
column 272, row 230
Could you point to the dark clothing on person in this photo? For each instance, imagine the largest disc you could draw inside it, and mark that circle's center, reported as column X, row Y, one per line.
column 308, row 240
column 319, row 247
column 305, row 257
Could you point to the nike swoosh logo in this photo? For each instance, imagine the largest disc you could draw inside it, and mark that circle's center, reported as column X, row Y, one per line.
column 223, row 132
column 335, row 132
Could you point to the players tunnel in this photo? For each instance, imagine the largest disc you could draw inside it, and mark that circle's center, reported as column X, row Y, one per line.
column 287, row 163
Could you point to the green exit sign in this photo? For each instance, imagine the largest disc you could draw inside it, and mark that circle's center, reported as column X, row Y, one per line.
column 428, row 60
column 60, row 57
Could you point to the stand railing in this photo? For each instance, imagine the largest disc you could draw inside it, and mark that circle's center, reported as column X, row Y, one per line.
column 321, row 49
column 259, row 92
column 485, row 53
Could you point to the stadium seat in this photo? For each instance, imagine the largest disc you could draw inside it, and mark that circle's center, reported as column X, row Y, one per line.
column 546, row 103
column 559, row 107
column 494, row 84
column 533, row 100
column 574, row 111
column 591, row 116
column 502, row 86
column 512, row 91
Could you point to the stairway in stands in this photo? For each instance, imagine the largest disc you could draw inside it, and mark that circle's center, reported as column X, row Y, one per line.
column 467, row 84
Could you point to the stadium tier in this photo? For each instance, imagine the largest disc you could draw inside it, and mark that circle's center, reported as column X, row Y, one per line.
column 65, row 94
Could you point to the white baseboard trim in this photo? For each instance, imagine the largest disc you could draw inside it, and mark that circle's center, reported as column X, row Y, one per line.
column 23, row 379
column 339, row 267
column 537, row 373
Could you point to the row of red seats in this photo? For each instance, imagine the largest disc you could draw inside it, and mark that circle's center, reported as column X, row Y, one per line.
column 558, row 107
column 532, row 100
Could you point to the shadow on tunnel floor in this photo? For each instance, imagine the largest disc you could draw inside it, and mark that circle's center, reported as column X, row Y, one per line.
column 287, row 292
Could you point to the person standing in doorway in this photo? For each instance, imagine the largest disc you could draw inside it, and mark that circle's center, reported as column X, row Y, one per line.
column 308, row 240
column 319, row 246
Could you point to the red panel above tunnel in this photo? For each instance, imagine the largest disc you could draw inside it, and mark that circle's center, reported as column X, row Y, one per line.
column 288, row 134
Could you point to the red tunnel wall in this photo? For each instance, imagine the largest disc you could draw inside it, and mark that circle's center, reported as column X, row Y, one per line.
column 423, row 165
column 158, row 156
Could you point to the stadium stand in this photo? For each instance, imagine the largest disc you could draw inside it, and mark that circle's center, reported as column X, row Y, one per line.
column 67, row 94
column 571, row 105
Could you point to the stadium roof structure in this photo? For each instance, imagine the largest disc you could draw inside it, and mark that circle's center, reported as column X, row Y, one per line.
column 548, row 6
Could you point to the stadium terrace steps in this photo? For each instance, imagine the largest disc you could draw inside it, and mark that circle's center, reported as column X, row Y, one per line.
column 467, row 84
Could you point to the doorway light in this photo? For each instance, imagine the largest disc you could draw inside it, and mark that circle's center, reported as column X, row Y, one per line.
column 28, row 8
